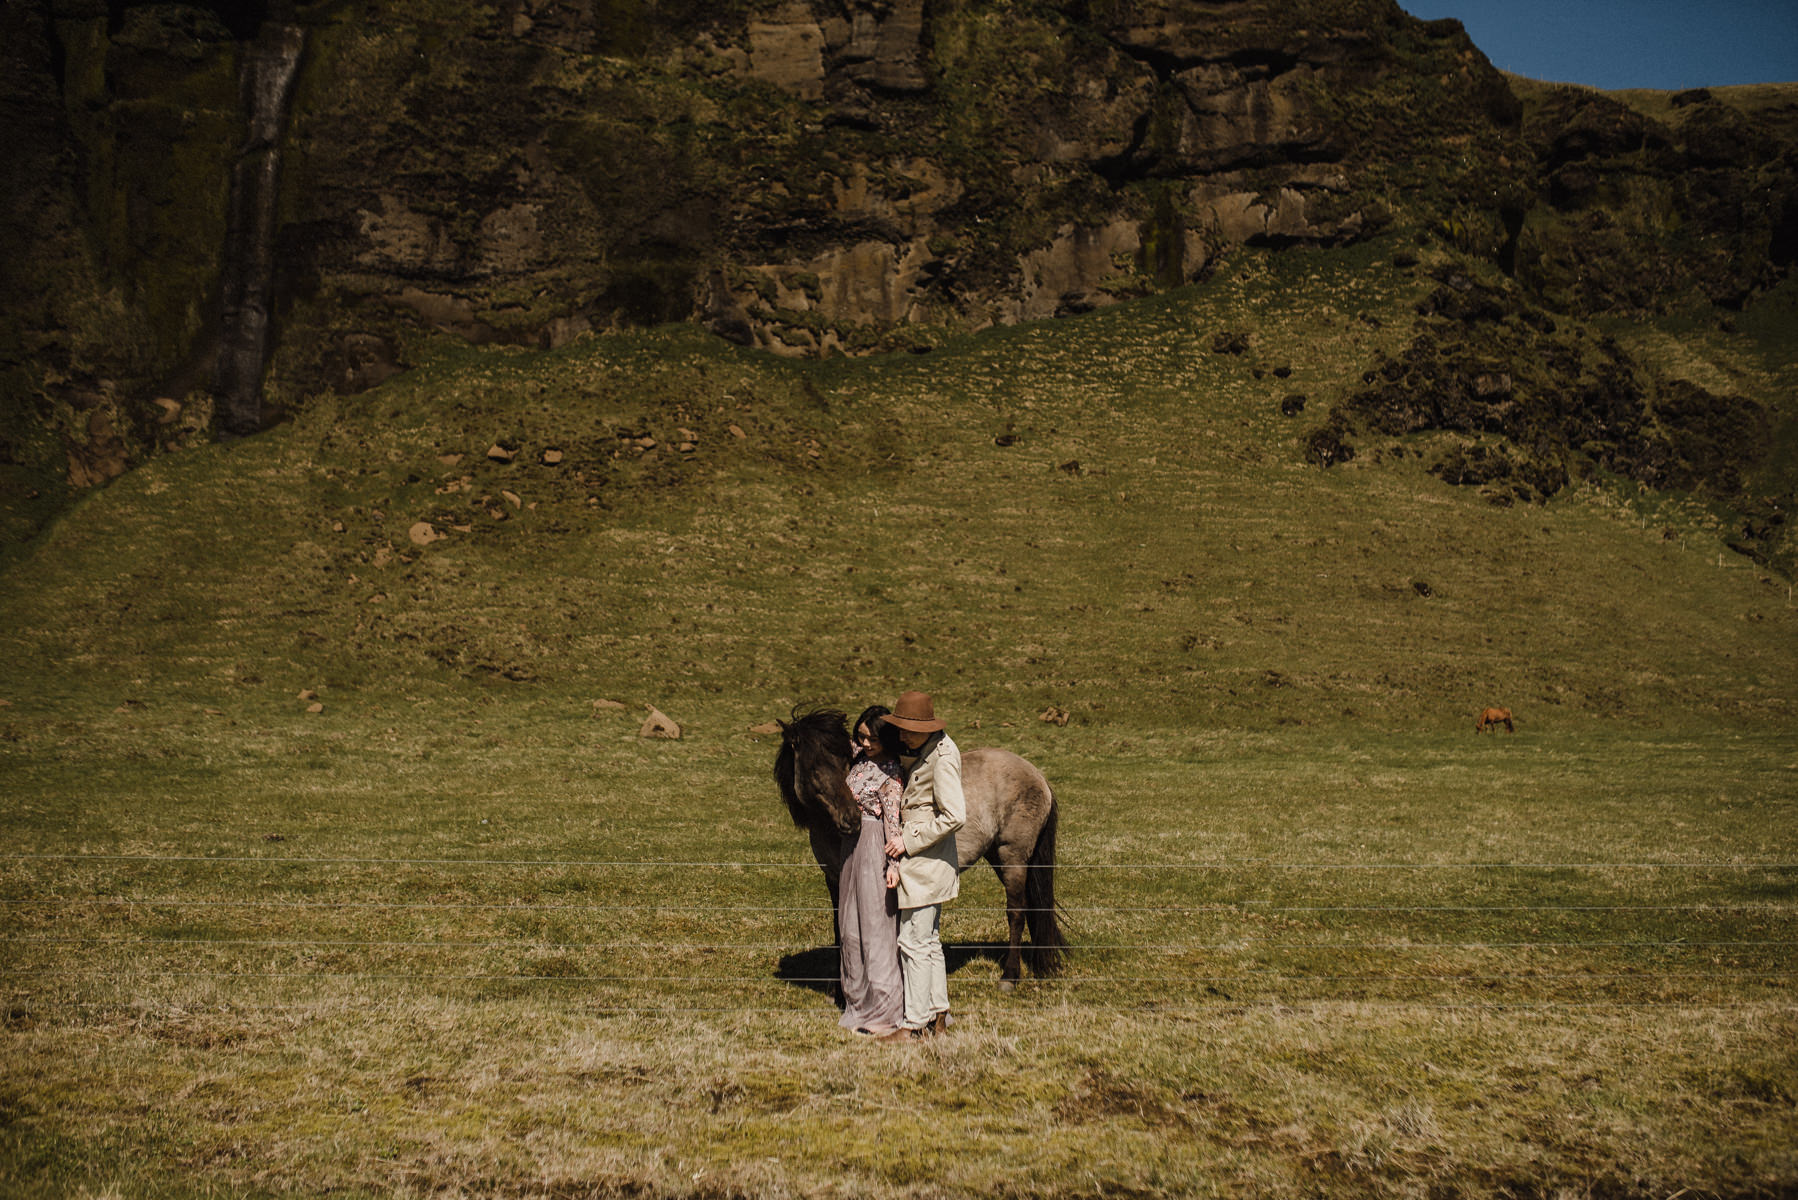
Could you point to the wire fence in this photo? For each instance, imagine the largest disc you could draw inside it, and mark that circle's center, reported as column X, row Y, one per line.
column 812, row 867
column 1265, row 906
column 1716, row 948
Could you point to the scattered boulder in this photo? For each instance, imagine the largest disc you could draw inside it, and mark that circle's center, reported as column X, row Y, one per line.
column 659, row 725
column 1293, row 404
column 103, row 457
column 358, row 361
column 765, row 729
column 1054, row 715
column 499, row 453
column 423, row 533
column 1328, row 446
column 600, row 706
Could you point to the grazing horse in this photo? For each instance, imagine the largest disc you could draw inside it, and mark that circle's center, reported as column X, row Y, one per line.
column 1492, row 718
column 1010, row 823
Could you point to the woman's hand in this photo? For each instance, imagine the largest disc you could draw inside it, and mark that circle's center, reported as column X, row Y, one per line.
column 896, row 847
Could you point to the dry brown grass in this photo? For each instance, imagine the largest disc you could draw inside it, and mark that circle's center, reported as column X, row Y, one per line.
column 401, row 1095
column 1280, row 1007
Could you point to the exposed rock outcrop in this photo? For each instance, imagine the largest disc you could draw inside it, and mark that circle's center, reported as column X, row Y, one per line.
column 811, row 177
column 1532, row 406
column 806, row 176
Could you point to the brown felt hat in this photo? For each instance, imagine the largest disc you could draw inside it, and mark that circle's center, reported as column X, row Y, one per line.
column 914, row 712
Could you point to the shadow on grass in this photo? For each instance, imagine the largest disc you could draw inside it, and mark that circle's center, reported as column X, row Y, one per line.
column 816, row 969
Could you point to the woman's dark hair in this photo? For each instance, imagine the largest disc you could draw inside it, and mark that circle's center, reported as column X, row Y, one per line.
column 887, row 733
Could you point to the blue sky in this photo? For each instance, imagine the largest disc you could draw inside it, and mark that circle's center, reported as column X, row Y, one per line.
column 1632, row 43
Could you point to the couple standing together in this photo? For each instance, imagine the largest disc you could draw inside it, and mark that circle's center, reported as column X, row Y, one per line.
column 905, row 774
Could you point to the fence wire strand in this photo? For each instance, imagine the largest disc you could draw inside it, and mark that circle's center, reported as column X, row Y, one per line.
column 763, row 947
column 1057, row 981
column 782, row 864
column 820, row 910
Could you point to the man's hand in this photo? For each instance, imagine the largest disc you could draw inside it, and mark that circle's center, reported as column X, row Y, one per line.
column 896, row 848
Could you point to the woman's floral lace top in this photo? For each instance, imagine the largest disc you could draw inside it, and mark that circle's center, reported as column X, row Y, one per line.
column 877, row 788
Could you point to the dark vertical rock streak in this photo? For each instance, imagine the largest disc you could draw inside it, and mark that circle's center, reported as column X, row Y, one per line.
column 270, row 66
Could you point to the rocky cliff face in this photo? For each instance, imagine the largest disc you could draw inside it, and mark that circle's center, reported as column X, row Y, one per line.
column 814, row 177
column 806, row 176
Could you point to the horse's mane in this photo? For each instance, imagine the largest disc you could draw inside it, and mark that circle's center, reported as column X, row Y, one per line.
column 820, row 734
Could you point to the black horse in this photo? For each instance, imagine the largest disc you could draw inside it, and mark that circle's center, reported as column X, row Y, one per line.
column 1010, row 823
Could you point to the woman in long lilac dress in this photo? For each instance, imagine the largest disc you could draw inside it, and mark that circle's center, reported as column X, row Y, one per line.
column 867, row 915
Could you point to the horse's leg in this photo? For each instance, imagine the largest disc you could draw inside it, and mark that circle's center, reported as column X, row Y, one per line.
column 833, row 884
column 1012, row 877
column 1046, row 941
column 827, row 848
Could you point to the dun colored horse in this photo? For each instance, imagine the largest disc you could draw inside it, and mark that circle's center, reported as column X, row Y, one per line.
column 1492, row 718
column 1010, row 823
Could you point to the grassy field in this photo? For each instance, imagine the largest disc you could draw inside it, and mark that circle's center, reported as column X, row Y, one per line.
column 461, row 931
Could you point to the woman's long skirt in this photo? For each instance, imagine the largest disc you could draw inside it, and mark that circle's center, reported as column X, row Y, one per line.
column 868, row 923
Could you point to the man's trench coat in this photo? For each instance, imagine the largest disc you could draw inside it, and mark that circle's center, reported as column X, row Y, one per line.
column 932, row 810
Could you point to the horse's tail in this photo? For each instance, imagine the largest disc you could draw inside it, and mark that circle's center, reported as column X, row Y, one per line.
column 1047, row 945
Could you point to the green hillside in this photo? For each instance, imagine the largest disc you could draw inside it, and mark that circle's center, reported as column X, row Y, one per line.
column 1108, row 515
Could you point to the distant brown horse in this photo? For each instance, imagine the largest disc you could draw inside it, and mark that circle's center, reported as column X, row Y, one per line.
column 1010, row 823
column 1492, row 718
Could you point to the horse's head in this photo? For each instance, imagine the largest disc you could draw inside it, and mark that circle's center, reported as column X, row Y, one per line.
column 811, row 770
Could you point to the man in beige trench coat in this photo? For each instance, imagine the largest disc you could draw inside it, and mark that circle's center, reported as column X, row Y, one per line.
column 929, row 877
